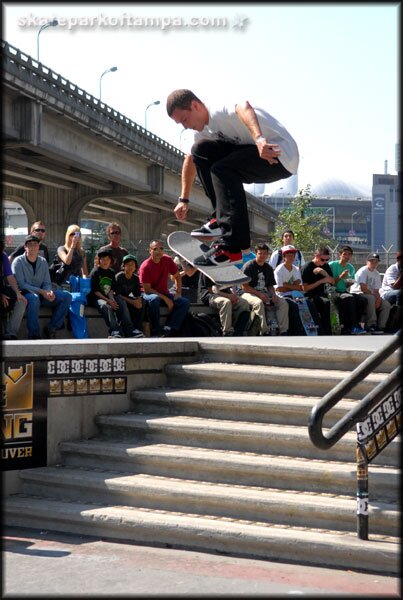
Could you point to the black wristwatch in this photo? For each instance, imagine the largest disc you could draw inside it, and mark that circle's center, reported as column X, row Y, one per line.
column 185, row 200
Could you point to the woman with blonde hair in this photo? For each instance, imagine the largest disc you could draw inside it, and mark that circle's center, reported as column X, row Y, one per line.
column 72, row 253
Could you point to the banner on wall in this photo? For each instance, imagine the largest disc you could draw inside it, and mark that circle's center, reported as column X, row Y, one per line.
column 24, row 415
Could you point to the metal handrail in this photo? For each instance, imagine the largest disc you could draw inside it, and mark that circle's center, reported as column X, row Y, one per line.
column 360, row 411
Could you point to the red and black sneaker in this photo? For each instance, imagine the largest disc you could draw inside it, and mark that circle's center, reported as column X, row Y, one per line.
column 217, row 256
column 209, row 230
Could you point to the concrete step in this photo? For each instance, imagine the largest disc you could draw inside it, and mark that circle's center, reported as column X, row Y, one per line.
column 298, row 352
column 266, row 379
column 276, row 439
column 234, row 536
column 323, row 511
column 234, row 405
column 232, row 467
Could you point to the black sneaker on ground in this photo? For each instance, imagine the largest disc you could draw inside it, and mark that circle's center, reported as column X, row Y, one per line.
column 167, row 331
column 218, row 255
column 209, row 230
column 374, row 330
column 49, row 333
column 137, row 333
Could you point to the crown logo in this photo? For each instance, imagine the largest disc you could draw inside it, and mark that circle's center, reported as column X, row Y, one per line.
column 18, row 385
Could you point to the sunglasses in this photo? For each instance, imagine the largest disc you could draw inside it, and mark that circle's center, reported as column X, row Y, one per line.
column 38, row 230
column 114, row 233
column 157, row 248
column 324, row 259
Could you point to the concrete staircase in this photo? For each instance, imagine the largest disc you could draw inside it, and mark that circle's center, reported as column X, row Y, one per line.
column 220, row 460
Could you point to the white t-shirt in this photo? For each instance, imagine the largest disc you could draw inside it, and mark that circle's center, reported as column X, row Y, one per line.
column 372, row 280
column 391, row 274
column 225, row 125
column 283, row 276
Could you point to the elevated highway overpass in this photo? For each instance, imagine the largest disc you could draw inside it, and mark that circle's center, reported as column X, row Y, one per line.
column 67, row 156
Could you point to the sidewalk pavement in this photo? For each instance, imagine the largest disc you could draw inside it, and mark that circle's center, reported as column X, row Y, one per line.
column 52, row 564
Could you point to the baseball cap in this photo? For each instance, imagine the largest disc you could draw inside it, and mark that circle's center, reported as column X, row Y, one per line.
column 32, row 238
column 288, row 249
column 129, row 257
column 373, row 255
column 104, row 252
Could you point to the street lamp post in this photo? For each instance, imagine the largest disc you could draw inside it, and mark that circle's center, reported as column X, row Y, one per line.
column 145, row 112
column 111, row 70
column 331, row 208
column 45, row 26
column 352, row 222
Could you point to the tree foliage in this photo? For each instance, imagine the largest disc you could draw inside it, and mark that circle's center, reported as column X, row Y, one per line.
column 307, row 223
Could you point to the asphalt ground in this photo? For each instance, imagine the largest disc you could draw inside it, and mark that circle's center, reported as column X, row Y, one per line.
column 49, row 564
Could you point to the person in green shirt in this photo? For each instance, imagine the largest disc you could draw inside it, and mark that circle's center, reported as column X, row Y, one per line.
column 350, row 306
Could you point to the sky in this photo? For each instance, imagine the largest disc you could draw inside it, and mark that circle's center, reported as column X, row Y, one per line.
column 327, row 71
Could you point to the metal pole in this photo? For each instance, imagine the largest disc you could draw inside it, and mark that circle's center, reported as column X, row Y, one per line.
column 362, row 493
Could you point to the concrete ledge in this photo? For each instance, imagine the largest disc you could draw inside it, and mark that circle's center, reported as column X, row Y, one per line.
column 96, row 325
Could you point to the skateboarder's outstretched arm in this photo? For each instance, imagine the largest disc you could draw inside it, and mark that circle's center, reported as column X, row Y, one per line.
column 188, row 176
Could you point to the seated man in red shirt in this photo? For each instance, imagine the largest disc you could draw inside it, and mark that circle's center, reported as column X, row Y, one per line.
column 154, row 274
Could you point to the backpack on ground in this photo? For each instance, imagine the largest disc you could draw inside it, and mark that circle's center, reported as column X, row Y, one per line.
column 199, row 325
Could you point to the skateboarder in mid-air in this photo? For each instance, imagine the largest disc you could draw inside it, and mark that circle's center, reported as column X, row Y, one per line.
column 233, row 145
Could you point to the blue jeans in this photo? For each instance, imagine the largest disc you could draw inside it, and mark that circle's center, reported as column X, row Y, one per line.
column 394, row 297
column 60, row 306
column 117, row 320
column 175, row 318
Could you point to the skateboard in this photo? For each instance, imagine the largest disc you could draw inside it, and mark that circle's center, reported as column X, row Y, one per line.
column 190, row 248
column 305, row 314
column 335, row 324
column 271, row 318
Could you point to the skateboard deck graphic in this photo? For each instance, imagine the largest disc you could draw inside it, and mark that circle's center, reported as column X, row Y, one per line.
column 190, row 248
column 271, row 319
column 334, row 313
column 305, row 314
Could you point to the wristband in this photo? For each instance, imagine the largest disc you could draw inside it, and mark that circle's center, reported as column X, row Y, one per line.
column 260, row 138
column 185, row 200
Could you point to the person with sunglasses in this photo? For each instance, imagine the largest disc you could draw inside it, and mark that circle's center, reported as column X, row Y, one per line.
column 315, row 274
column 114, row 233
column 38, row 229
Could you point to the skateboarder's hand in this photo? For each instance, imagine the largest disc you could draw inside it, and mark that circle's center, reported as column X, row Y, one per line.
column 268, row 151
column 181, row 210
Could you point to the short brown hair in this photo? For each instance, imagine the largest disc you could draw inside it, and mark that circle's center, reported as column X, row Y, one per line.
column 322, row 250
column 180, row 99
column 113, row 226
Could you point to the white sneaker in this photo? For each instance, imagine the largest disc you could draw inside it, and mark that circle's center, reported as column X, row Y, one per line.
column 137, row 333
column 114, row 334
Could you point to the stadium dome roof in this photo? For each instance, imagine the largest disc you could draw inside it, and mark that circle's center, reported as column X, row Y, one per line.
column 337, row 188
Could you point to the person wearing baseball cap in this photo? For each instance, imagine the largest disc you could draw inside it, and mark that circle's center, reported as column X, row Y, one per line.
column 104, row 252
column 288, row 249
column 368, row 282
column 288, row 279
column 104, row 296
column 373, row 256
column 32, row 274
column 391, row 289
column 129, row 290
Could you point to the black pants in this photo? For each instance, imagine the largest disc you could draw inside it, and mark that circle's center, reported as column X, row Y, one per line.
column 322, row 305
column 223, row 168
column 351, row 308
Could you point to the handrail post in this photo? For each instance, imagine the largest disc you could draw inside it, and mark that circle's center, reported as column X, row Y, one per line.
column 362, row 493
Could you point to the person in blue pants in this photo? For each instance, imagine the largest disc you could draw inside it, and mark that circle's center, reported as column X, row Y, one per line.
column 32, row 274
